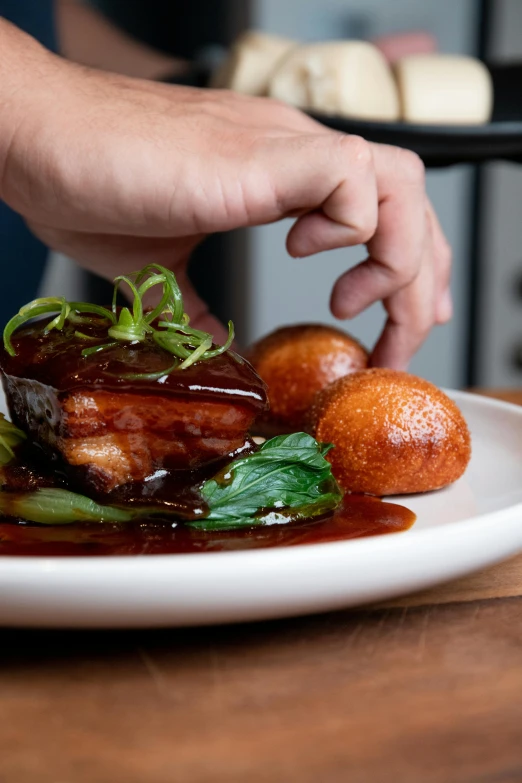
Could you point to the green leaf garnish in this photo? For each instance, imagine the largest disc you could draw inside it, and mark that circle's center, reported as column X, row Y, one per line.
column 52, row 506
column 288, row 478
column 131, row 324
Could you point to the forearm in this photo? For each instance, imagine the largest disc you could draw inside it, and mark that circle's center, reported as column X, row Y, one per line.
column 19, row 54
column 87, row 37
column 25, row 67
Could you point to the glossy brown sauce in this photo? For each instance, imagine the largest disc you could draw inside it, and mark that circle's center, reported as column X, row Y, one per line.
column 176, row 492
column 358, row 516
column 55, row 359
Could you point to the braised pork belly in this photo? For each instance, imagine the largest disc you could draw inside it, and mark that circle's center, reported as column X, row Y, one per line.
column 120, row 415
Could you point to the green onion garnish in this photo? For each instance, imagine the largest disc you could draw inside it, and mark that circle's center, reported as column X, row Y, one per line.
column 131, row 324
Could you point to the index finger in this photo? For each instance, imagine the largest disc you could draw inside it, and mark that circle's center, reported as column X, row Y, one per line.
column 411, row 314
column 395, row 250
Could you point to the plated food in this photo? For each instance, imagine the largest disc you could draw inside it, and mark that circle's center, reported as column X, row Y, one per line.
column 132, row 432
column 395, row 434
column 353, row 79
column 296, row 362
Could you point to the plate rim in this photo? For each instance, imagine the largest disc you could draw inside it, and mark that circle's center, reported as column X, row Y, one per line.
column 498, row 129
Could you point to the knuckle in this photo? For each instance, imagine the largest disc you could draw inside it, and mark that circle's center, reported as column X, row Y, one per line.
column 423, row 322
column 407, row 275
column 442, row 258
column 411, row 166
column 425, row 325
column 443, row 319
column 358, row 149
column 366, row 226
column 406, row 272
column 446, row 253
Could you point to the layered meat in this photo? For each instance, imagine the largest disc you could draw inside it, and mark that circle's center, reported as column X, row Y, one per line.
column 109, row 429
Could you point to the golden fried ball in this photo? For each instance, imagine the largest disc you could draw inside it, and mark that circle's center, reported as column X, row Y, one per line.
column 298, row 361
column 393, row 433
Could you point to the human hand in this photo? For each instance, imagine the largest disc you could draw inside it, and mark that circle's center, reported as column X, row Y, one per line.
column 118, row 172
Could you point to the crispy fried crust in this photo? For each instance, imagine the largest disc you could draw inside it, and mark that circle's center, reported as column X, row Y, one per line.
column 298, row 361
column 394, row 433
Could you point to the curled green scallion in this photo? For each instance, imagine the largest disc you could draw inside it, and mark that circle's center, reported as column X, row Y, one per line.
column 97, row 348
column 93, row 309
column 167, row 323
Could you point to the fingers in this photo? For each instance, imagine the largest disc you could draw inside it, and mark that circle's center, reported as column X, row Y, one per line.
column 442, row 260
column 411, row 314
column 348, row 216
column 416, row 308
column 378, row 199
column 396, row 248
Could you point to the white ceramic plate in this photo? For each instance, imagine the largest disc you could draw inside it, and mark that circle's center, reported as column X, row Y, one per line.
column 476, row 522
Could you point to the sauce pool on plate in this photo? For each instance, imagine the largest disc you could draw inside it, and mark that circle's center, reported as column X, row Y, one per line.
column 358, row 516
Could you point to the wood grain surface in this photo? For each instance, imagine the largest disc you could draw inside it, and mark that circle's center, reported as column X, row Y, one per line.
column 415, row 694
column 422, row 695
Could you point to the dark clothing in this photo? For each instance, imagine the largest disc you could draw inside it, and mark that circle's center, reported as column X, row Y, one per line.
column 34, row 16
column 22, row 256
column 177, row 27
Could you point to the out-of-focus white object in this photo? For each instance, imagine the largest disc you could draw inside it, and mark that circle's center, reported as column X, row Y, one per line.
column 444, row 89
column 348, row 78
column 250, row 63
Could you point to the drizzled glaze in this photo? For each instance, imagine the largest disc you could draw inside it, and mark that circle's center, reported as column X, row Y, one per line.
column 121, row 414
column 55, row 359
column 358, row 516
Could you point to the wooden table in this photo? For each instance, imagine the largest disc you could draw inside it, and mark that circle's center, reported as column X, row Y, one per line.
column 426, row 689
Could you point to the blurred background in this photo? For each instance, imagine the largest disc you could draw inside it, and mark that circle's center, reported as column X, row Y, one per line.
column 248, row 275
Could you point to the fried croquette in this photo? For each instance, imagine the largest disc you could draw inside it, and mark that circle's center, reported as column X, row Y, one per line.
column 298, row 361
column 394, row 433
